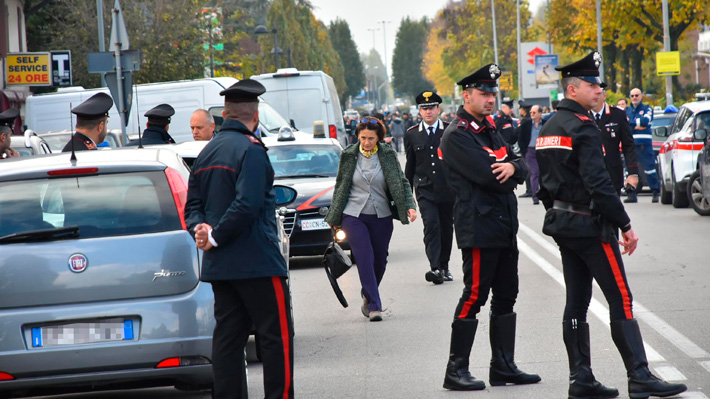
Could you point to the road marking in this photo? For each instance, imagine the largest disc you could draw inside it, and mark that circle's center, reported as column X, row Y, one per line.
column 706, row 365
column 669, row 373
column 694, row 395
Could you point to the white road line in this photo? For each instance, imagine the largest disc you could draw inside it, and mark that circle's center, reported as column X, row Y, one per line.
column 693, row 395
column 599, row 310
column 669, row 373
column 706, row 365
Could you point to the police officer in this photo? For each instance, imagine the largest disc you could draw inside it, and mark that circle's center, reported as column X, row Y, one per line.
column 230, row 209
column 91, row 123
column 524, row 129
column 640, row 116
column 156, row 131
column 483, row 171
column 615, row 133
column 435, row 199
column 7, row 120
column 505, row 125
column 583, row 213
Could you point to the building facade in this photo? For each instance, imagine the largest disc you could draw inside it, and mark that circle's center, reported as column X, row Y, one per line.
column 13, row 39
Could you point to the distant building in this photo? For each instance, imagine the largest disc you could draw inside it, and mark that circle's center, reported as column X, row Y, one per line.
column 13, row 39
column 702, row 60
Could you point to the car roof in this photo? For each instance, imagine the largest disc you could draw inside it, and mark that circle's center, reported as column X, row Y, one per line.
column 697, row 106
column 301, row 138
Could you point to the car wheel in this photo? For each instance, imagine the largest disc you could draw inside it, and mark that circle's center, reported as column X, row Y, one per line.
column 680, row 198
column 666, row 195
column 700, row 204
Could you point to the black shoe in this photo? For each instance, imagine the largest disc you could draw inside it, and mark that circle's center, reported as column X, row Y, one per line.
column 536, row 201
column 503, row 368
column 525, row 195
column 656, row 196
column 582, row 384
column 631, row 198
column 434, row 276
column 448, row 276
column 458, row 378
column 642, row 383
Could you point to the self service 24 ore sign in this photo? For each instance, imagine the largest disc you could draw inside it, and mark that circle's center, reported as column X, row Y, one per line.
column 33, row 69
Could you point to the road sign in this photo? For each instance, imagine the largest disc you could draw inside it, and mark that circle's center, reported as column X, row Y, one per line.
column 127, row 90
column 505, row 82
column 61, row 68
column 668, row 63
column 28, row 69
column 119, row 36
column 100, row 62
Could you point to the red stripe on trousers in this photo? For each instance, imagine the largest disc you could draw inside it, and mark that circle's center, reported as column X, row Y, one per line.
column 283, row 321
column 475, row 282
column 619, row 279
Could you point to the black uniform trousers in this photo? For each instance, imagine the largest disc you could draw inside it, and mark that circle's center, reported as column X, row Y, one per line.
column 485, row 270
column 584, row 259
column 438, row 219
column 265, row 304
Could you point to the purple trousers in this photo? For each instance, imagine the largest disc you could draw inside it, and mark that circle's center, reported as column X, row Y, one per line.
column 369, row 238
column 534, row 171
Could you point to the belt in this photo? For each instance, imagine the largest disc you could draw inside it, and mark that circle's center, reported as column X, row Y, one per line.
column 573, row 208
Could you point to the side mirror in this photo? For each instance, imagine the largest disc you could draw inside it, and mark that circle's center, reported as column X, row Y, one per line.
column 700, row 134
column 661, row 131
column 284, row 195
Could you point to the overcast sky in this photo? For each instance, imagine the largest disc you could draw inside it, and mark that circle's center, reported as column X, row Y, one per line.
column 364, row 14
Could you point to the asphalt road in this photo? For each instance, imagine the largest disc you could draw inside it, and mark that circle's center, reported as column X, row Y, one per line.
column 340, row 354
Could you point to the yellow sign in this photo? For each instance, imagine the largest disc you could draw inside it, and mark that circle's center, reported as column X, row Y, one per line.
column 31, row 69
column 668, row 63
column 505, row 82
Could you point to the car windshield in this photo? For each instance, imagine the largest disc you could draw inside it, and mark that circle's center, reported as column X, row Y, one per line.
column 304, row 160
column 104, row 205
column 57, row 142
column 662, row 121
column 269, row 119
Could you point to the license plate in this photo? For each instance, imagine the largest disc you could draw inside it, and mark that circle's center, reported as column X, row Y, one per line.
column 78, row 333
column 314, row 224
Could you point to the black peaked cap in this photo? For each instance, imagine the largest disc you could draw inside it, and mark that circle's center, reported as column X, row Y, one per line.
column 244, row 91
column 95, row 107
column 586, row 69
column 160, row 112
column 7, row 117
column 524, row 105
column 428, row 99
column 484, row 79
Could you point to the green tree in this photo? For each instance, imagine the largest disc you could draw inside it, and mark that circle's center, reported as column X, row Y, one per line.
column 407, row 75
column 347, row 49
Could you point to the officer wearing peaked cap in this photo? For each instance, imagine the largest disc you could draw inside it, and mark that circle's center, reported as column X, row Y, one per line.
column 158, row 124
column 7, row 120
column 505, row 125
column 583, row 213
column 426, row 176
column 230, row 209
column 483, row 171
column 91, row 123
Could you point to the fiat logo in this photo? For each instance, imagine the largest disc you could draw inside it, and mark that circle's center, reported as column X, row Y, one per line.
column 78, row 263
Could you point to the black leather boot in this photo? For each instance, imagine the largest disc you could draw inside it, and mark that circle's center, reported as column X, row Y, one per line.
column 458, row 378
column 582, row 384
column 631, row 198
column 503, row 369
column 642, row 383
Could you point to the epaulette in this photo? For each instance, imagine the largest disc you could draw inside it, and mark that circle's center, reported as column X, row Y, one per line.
column 255, row 140
column 413, row 127
column 462, row 123
column 583, row 118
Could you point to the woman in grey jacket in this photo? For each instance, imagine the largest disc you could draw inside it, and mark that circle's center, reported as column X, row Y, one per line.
column 370, row 191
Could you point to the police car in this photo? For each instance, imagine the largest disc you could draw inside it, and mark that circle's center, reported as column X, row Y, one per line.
column 678, row 156
column 309, row 165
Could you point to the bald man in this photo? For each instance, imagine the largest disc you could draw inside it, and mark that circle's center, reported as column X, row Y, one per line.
column 202, row 125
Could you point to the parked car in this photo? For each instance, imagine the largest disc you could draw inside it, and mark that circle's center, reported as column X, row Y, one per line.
column 662, row 119
column 678, row 156
column 30, row 144
column 699, row 183
column 57, row 140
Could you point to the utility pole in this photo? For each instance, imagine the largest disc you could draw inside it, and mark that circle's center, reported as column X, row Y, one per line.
column 102, row 39
column 373, row 36
column 520, row 59
column 495, row 42
column 599, row 38
column 384, row 36
column 667, row 47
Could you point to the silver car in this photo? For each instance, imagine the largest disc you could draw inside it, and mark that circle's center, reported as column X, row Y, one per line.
column 99, row 277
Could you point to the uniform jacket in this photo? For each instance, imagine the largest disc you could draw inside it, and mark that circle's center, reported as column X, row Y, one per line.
column 397, row 185
column 423, row 168
column 485, row 211
column 506, row 126
column 231, row 189
column 640, row 116
column 572, row 170
column 81, row 143
column 153, row 135
column 524, row 132
column 615, row 131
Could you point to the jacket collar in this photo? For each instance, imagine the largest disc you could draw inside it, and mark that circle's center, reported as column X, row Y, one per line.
column 469, row 122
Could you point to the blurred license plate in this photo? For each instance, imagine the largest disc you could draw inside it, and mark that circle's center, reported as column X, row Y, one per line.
column 104, row 330
column 314, row 224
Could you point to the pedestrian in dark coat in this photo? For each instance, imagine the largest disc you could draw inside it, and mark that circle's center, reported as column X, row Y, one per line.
column 370, row 190
column 483, row 171
column 426, row 176
column 583, row 213
column 230, row 209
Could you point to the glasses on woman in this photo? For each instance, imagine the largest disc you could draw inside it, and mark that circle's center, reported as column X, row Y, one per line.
column 370, row 121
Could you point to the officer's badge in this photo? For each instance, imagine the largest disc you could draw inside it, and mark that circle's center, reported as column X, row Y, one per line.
column 426, row 95
column 494, row 70
column 90, row 144
column 597, row 59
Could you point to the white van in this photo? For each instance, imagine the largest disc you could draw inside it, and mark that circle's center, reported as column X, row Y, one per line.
column 304, row 97
column 51, row 112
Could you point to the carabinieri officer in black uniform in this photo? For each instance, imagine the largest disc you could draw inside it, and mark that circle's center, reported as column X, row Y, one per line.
column 230, row 208
column 156, row 131
column 425, row 175
column 91, row 121
column 583, row 213
column 483, row 171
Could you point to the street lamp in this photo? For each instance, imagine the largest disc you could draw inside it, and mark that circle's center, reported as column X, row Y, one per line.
column 261, row 30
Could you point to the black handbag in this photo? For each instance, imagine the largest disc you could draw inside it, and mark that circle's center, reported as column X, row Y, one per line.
column 336, row 263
